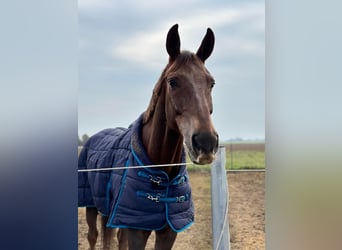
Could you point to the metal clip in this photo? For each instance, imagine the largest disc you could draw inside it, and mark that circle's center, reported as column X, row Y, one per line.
column 152, row 198
column 180, row 198
column 181, row 180
column 157, row 180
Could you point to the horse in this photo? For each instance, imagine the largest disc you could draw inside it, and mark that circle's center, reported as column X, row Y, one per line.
column 177, row 120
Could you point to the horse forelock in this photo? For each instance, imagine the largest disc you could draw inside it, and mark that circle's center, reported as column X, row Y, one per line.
column 183, row 59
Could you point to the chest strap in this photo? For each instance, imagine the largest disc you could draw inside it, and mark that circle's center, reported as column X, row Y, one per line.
column 161, row 197
column 162, row 181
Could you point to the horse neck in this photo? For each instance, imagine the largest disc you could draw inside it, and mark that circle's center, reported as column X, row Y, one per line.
column 163, row 145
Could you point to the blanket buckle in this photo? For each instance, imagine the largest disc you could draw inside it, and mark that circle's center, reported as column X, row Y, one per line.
column 157, row 180
column 153, row 198
column 181, row 198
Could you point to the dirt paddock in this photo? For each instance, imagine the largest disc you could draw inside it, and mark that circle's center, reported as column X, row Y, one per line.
column 246, row 214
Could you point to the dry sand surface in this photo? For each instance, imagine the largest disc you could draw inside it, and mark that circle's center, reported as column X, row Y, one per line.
column 246, row 214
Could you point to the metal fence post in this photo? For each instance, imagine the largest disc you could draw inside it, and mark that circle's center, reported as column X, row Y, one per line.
column 219, row 202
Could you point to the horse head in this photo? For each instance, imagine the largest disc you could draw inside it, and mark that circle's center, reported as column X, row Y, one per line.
column 188, row 101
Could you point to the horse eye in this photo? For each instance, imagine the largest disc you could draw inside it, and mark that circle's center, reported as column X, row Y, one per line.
column 173, row 83
column 212, row 85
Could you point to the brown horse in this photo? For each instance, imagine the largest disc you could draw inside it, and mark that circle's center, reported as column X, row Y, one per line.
column 178, row 113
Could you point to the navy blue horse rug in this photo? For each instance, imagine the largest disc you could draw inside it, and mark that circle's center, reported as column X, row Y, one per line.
column 141, row 198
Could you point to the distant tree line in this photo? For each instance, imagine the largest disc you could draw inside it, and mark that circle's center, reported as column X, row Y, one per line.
column 83, row 140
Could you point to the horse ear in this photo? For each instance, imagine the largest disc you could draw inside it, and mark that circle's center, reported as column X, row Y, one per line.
column 173, row 42
column 206, row 46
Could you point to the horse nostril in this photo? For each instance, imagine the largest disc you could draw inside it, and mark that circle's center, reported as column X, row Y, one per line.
column 205, row 142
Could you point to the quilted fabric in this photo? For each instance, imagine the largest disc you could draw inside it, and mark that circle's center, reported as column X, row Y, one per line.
column 143, row 198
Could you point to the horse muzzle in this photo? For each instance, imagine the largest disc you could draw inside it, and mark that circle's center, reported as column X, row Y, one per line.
column 204, row 147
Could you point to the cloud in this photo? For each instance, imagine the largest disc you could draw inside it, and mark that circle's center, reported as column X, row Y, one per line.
column 122, row 51
column 83, row 43
column 148, row 47
column 94, row 5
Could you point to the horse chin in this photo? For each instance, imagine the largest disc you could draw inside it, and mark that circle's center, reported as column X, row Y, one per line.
column 205, row 158
column 200, row 158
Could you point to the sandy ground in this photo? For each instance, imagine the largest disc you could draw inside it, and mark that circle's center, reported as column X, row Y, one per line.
column 246, row 214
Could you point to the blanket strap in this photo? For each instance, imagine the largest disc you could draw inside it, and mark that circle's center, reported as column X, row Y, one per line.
column 161, row 181
column 159, row 197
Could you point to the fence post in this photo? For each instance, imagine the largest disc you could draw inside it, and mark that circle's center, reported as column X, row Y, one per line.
column 219, row 202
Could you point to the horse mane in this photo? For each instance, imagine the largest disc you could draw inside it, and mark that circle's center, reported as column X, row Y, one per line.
column 185, row 57
column 154, row 99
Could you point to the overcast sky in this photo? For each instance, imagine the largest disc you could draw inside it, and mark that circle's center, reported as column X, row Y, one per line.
column 122, row 53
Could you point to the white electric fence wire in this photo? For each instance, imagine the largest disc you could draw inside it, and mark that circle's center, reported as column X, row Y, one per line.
column 132, row 167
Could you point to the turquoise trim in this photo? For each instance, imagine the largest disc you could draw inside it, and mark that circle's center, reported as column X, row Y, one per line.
column 182, row 229
column 109, row 185
column 139, row 228
column 161, row 181
column 147, row 169
column 143, row 174
column 170, row 224
column 160, row 197
column 125, row 146
column 123, row 181
column 166, row 191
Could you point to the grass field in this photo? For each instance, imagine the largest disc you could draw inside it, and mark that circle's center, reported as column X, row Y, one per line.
column 241, row 155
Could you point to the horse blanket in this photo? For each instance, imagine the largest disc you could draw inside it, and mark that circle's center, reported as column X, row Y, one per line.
column 141, row 198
